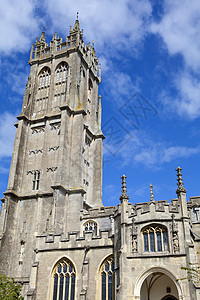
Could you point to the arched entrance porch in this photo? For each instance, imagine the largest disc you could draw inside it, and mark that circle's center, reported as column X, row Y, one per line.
column 158, row 284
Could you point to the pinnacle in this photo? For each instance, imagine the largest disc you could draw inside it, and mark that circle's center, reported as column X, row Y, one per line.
column 124, row 195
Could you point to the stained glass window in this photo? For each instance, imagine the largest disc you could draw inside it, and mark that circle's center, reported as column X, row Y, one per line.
column 155, row 238
column 64, row 281
column 107, row 280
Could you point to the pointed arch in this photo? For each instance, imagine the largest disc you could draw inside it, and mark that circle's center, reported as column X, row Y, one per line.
column 61, row 72
column 91, row 225
column 44, row 78
column 158, row 270
column 155, row 238
column 64, row 280
column 107, row 279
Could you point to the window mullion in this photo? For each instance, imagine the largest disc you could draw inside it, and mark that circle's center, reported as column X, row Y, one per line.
column 70, row 285
column 106, row 285
column 155, row 241
column 162, row 242
column 58, row 290
column 64, row 281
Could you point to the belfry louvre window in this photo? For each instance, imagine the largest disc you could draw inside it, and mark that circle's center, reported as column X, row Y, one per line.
column 108, row 280
column 64, row 281
column 44, row 78
column 155, row 238
column 91, row 226
column 36, row 180
column 61, row 73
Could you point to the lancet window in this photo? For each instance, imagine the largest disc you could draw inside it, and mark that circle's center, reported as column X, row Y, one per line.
column 64, row 278
column 155, row 238
column 107, row 279
column 91, row 226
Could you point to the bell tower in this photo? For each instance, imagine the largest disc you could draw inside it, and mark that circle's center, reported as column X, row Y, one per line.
column 56, row 168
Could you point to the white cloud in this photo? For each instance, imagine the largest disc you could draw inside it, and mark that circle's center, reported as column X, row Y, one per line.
column 145, row 150
column 189, row 102
column 7, row 134
column 17, row 24
column 179, row 29
column 108, row 23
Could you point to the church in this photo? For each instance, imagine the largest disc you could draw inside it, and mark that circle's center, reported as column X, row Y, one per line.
column 57, row 239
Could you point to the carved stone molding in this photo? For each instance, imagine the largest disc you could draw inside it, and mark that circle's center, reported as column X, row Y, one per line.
column 175, row 237
column 53, row 148
column 85, row 182
column 35, row 151
column 32, row 172
column 51, row 169
column 55, row 126
column 86, row 163
column 38, row 130
column 134, row 238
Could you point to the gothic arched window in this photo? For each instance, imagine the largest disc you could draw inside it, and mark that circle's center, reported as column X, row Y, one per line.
column 61, row 73
column 64, row 277
column 155, row 238
column 108, row 279
column 90, row 226
column 44, row 78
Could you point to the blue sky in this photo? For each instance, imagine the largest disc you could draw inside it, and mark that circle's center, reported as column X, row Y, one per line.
column 150, row 56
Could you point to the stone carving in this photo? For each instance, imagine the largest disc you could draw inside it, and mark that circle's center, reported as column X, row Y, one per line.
column 21, row 258
column 175, row 238
column 134, row 238
column 85, row 182
column 55, row 126
column 86, row 163
column 88, row 139
column 32, row 172
column 35, row 151
column 38, row 130
column 23, row 233
column 53, row 148
column 51, row 169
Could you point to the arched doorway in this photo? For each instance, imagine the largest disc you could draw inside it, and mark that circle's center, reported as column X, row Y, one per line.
column 158, row 286
column 169, row 298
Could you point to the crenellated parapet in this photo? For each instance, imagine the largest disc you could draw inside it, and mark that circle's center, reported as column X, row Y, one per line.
column 98, row 212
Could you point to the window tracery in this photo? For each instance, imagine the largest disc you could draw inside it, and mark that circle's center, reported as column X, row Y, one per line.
column 61, row 73
column 91, row 226
column 44, row 78
column 155, row 238
column 64, row 281
column 107, row 279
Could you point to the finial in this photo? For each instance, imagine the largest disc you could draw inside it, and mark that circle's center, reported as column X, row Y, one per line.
column 124, row 195
column 180, row 181
column 151, row 193
column 44, row 27
column 77, row 15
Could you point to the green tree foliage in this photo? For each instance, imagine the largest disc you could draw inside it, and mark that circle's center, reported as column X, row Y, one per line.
column 9, row 290
column 193, row 274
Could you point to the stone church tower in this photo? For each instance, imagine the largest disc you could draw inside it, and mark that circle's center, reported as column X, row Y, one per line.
column 57, row 238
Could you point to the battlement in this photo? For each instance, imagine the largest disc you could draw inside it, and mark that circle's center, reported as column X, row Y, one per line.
column 42, row 50
column 156, row 206
column 97, row 212
column 74, row 240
